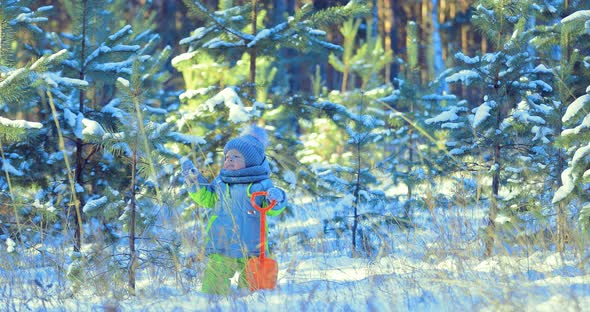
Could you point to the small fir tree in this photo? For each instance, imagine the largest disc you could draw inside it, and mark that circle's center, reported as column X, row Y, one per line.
column 500, row 140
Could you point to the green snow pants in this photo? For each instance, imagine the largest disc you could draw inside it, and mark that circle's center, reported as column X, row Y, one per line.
column 219, row 270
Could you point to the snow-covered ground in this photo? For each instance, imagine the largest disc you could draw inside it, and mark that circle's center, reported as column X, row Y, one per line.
column 437, row 266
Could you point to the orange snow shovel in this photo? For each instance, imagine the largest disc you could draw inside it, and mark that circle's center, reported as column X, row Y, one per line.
column 261, row 272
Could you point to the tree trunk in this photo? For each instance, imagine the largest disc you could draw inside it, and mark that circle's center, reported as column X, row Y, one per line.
column 132, row 252
column 387, row 26
column 253, row 51
column 79, row 143
column 491, row 228
column 408, row 205
column 561, row 210
column 356, row 199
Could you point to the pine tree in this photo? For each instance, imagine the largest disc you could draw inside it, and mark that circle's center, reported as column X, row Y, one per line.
column 25, row 78
column 361, row 207
column 139, row 142
column 100, row 50
column 499, row 140
column 575, row 135
column 409, row 104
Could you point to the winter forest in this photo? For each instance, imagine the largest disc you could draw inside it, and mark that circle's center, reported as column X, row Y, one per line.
column 435, row 153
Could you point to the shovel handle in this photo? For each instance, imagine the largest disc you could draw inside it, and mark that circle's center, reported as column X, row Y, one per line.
column 253, row 202
column 262, row 219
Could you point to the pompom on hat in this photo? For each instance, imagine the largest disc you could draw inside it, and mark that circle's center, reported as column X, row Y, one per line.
column 251, row 144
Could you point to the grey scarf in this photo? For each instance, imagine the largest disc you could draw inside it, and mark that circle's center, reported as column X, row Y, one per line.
column 246, row 175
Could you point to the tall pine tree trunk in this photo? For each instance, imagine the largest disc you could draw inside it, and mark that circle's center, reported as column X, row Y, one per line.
column 561, row 206
column 387, row 27
column 561, row 210
column 79, row 142
column 253, row 50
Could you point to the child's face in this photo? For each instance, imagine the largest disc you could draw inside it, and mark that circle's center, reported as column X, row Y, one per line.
column 234, row 160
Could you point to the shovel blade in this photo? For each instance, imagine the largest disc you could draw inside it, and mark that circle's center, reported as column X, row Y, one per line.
column 261, row 273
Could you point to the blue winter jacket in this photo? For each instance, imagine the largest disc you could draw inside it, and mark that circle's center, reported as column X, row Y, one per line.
column 234, row 226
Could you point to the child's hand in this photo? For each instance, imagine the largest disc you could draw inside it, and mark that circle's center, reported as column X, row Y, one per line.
column 276, row 194
column 189, row 172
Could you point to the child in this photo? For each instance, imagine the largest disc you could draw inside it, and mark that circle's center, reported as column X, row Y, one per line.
column 233, row 232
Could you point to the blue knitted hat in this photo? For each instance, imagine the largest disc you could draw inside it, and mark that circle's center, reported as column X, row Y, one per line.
column 251, row 145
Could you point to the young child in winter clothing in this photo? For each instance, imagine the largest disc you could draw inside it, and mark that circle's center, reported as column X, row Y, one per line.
column 233, row 232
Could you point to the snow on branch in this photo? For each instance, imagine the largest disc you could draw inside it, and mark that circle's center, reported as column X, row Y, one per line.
column 8, row 167
column 44, row 60
column 187, row 139
column 111, row 108
column 231, row 100
column 566, row 188
column 575, row 107
column 582, row 14
column 121, row 33
column 574, row 131
column 12, row 76
column 465, row 76
column 217, row 43
column 450, row 115
column 198, row 34
column 482, row 112
column 23, row 124
column 267, row 33
column 103, row 49
column 56, row 80
column 94, row 204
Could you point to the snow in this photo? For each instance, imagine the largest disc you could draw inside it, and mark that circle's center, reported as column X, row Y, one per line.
column 23, row 124
column 464, row 75
column 522, row 114
column 44, row 59
column 450, row 115
column 501, row 219
column 566, row 188
column 580, row 154
column 123, row 82
column 217, row 43
column 431, row 268
column 482, row 112
column 7, row 167
column 575, row 107
column 123, row 67
column 581, row 14
column 64, row 81
column 70, row 118
column 228, row 97
column 127, row 29
column 541, row 133
column 290, row 177
column 92, row 205
column 188, row 139
column 183, row 57
column 198, row 34
column 189, row 94
column 92, row 128
column 10, row 244
column 466, row 59
column 585, row 124
column 542, row 69
column 29, row 18
column 13, row 75
column 263, row 34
